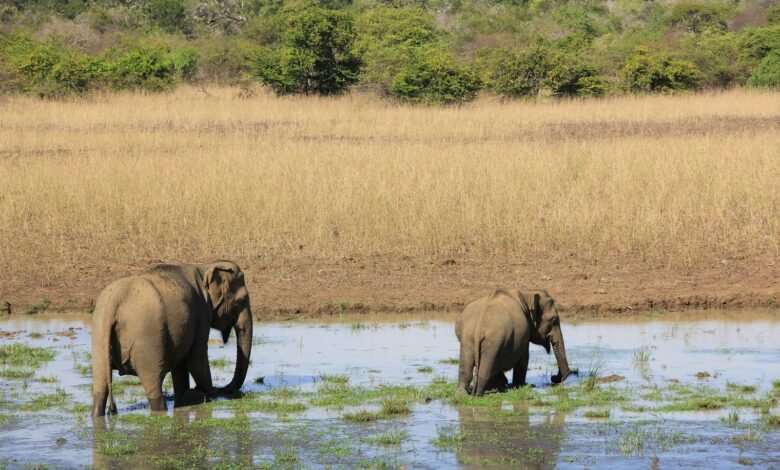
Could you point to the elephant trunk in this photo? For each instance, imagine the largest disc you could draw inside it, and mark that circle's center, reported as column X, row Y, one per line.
column 556, row 339
column 243, row 329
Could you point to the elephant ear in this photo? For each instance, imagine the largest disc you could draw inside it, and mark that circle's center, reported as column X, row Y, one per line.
column 537, row 310
column 217, row 283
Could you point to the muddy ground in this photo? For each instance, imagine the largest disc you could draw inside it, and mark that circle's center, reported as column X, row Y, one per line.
column 283, row 288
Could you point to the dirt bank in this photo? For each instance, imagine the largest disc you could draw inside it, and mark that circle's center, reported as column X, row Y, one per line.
column 305, row 287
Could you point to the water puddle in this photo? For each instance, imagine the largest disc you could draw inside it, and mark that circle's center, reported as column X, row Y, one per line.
column 671, row 390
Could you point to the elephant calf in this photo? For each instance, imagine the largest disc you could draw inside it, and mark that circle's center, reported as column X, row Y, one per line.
column 158, row 321
column 495, row 333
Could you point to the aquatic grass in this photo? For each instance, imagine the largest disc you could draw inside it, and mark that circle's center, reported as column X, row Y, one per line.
column 256, row 402
column 395, row 407
column 335, row 378
column 116, row 443
column 235, row 423
column 15, row 373
column 38, row 307
column 46, row 401
column 22, row 355
column 284, row 393
column 47, row 379
column 752, row 434
column 740, row 387
column 731, row 419
column 425, row 369
column 286, row 457
column 597, row 414
column 451, row 361
column 594, row 370
column 362, row 416
column 80, row 408
column 641, row 360
column 221, row 363
column 357, row 326
column 772, row 420
column 448, row 438
column 391, row 437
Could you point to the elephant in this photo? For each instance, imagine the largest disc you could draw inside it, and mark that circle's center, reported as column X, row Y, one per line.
column 158, row 321
column 494, row 334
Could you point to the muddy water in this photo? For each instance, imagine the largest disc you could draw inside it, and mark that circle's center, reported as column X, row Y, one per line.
column 654, row 362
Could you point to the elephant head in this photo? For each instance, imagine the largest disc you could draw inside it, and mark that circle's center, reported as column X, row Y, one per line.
column 229, row 300
column 547, row 331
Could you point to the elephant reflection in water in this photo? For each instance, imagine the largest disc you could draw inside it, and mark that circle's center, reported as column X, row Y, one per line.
column 509, row 438
column 181, row 440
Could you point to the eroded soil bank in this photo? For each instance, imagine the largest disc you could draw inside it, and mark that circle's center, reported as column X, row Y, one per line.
column 313, row 288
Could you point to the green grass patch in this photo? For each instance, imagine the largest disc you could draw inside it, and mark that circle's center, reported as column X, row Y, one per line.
column 15, row 373
column 362, row 416
column 391, row 437
column 22, row 355
column 731, row 419
column 451, row 361
column 221, row 363
column 334, row 378
column 597, row 414
column 425, row 369
column 115, row 443
column 735, row 387
column 448, row 438
column 46, row 401
column 393, row 406
column 772, row 420
column 752, row 434
column 37, row 308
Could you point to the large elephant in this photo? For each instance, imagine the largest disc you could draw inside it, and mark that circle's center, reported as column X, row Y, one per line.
column 158, row 321
column 495, row 332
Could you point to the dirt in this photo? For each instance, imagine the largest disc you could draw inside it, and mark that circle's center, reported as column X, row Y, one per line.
column 305, row 287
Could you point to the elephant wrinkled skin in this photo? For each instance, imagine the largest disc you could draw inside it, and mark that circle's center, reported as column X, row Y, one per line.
column 158, row 321
column 495, row 333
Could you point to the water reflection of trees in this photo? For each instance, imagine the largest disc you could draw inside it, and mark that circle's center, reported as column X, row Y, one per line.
column 189, row 438
column 509, row 436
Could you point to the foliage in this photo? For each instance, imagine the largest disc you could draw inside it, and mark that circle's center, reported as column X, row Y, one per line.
column 773, row 15
column 570, row 76
column 756, row 43
column 653, row 72
column 697, row 17
column 170, row 15
column 433, row 77
column 389, row 38
column 146, row 68
column 767, row 74
column 515, row 72
column 716, row 55
column 316, row 55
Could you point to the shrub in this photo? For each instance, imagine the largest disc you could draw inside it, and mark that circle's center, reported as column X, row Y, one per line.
column 516, row 73
column 654, row 72
column 571, row 77
column 145, row 68
column 717, row 58
column 316, row 55
column 756, row 43
column 773, row 15
column 388, row 39
column 767, row 74
column 185, row 62
column 697, row 18
column 433, row 77
column 169, row 15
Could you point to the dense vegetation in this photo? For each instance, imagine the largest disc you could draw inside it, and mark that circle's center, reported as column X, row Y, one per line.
column 421, row 51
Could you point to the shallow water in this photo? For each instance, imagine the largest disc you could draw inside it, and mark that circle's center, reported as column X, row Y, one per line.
column 655, row 359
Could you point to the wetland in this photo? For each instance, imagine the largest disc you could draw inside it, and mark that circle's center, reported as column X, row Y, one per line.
column 378, row 391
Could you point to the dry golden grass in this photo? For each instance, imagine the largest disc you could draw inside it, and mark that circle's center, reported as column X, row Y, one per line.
column 188, row 176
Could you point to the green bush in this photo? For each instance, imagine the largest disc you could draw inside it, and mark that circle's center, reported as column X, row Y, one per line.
column 316, row 55
column 717, row 57
column 767, row 74
column 143, row 68
column 756, row 43
column 389, row 38
column 773, row 15
column 169, row 15
column 515, row 72
column 656, row 72
column 185, row 62
column 698, row 18
column 571, row 77
column 433, row 77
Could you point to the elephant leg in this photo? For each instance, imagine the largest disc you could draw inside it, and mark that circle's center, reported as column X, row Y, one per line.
column 181, row 383
column 198, row 364
column 519, row 371
column 487, row 360
column 465, row 371
column 152, row 383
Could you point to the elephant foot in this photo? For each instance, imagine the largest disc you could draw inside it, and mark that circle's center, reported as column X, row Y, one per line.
column 193, row 397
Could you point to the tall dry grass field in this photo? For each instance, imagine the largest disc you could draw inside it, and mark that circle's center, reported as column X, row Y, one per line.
column 188, row 176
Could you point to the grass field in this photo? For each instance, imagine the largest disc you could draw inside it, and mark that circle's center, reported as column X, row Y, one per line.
column 191, row 176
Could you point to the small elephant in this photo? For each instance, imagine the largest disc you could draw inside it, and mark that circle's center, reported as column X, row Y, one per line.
column 495, row 333
column 158, row 321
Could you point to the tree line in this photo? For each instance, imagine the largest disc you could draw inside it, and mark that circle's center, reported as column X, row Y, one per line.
column 417, row 51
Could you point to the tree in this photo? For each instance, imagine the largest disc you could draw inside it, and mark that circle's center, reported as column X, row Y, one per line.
column 767, row 74
column 646, row 71
column 516, row 72
column 433, row 77
column 316, row 54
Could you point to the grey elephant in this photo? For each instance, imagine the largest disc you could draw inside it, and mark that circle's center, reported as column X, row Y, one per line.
column 495, row 332
column 158, row 321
